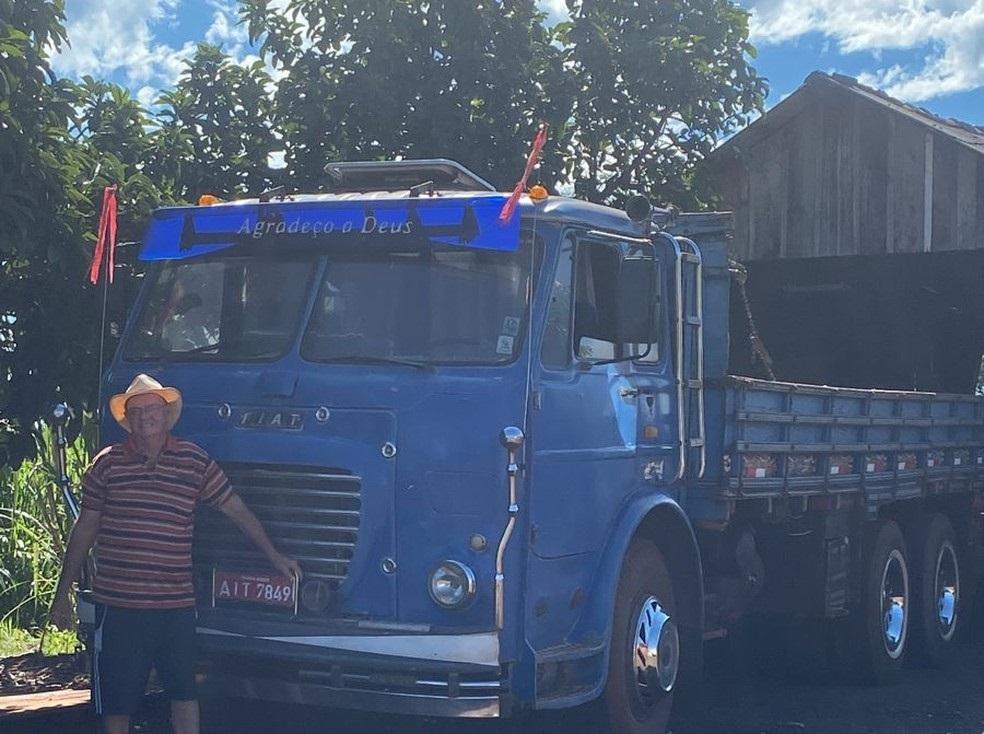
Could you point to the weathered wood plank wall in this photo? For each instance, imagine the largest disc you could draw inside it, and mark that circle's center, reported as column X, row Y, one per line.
column 846, row 176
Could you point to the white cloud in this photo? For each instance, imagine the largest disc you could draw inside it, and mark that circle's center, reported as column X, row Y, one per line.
column 146, row 95
column 556, row 10
column 116, row 40
column 109, row 37
column 951, row 30
column 226, row 30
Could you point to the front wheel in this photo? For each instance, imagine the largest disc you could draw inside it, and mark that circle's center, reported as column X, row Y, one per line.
column 644, row 658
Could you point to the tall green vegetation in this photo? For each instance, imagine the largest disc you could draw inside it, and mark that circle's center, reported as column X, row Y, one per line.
column 33, row 528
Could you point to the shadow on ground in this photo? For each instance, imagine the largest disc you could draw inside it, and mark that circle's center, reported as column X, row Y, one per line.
column 742, row 694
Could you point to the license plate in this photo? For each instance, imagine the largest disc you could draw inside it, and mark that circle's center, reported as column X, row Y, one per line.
column 269, row 590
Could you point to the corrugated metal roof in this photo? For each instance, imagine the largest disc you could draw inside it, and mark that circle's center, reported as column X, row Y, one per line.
column 963, row 132
column 970, row 136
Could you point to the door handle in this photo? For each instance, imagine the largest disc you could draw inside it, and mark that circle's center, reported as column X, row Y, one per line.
column 634, row 392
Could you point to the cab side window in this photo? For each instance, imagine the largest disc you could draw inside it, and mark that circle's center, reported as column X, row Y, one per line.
column 600, row 303
column 595, row 298
column 556, row 350
column 650, row 353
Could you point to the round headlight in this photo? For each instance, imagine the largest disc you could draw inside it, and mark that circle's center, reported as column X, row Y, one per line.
column 452, row 585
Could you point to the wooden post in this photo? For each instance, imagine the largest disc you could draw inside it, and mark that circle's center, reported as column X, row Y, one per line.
column 928, row 196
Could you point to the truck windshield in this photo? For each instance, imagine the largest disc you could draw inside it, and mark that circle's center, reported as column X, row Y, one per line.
column 432, row 305
column 233, row 308
column 428, row 305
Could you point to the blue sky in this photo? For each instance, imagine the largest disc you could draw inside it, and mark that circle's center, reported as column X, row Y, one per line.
column 927, row 52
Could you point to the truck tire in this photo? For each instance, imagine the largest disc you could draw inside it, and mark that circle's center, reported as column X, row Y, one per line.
column 936, row 614
column 644, row 657
column 881, row 625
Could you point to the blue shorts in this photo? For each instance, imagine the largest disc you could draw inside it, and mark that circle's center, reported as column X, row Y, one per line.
column 128, row 642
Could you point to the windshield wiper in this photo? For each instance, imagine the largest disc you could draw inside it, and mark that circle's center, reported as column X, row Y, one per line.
column 368, row 359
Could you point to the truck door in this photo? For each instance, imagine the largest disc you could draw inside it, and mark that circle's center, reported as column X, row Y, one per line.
column 654, row 384
column 586, row 416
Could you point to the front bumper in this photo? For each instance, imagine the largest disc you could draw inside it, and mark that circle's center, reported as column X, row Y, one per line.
column 425, row 675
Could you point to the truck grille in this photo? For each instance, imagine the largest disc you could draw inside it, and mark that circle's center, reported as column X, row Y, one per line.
column 311, row 515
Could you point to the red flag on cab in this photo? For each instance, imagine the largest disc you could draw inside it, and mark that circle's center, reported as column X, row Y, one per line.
column 510, row 206
column 106, row 238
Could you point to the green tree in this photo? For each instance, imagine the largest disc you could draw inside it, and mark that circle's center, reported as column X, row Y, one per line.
column 38, row 208
column 213, row 133
column 413, row 78
column 35, row 110
column 111, row 121
column 659, row 83
column 60, row 144
column 636, row 93
column 113, row 146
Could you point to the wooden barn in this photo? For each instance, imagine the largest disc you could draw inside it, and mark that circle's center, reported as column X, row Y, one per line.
column 860, row 220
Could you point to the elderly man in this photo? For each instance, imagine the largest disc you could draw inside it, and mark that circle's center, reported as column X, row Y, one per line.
column 138, row 502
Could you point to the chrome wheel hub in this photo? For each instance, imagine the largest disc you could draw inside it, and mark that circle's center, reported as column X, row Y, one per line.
column 894, row 598
column 947, row 590
column 655, row 651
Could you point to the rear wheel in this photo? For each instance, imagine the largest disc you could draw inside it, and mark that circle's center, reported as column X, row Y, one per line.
column 644, row 658
column 883, row 605
column 936, row 582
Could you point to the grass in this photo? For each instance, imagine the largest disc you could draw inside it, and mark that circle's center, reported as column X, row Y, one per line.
column 16, row 641
column 33, row 527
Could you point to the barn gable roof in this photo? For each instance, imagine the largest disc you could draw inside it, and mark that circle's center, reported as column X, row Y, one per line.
column 970, row 136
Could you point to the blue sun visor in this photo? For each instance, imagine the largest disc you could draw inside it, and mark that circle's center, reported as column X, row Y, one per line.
column 183, row 232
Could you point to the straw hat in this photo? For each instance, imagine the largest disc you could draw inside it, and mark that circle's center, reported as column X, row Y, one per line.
column 142, row 385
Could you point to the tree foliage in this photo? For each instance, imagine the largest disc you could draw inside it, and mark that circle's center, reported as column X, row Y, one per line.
column 39, row 210
column 659, row 82
column 214, row 132
column 635, row 94
column 372, row 79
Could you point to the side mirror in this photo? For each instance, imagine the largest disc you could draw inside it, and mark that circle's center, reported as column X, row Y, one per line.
column 615, row 315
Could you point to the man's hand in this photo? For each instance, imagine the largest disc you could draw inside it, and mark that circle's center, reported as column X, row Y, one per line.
column 61, row 615
column 83, row 535
column 237, row 511
column 286, row 566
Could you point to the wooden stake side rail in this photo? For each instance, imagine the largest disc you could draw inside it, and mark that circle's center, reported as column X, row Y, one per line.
column 887, row 445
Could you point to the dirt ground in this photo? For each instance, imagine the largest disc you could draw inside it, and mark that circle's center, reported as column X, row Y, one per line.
column 743, row 693
column 32, row 673
column 739, row 698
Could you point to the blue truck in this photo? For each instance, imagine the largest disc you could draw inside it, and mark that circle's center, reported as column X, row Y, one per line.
column 512, row 464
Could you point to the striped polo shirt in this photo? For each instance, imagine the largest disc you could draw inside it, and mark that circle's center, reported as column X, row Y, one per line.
column 143, row 548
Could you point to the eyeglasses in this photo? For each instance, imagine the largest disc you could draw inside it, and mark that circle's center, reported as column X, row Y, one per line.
column 149, row 411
